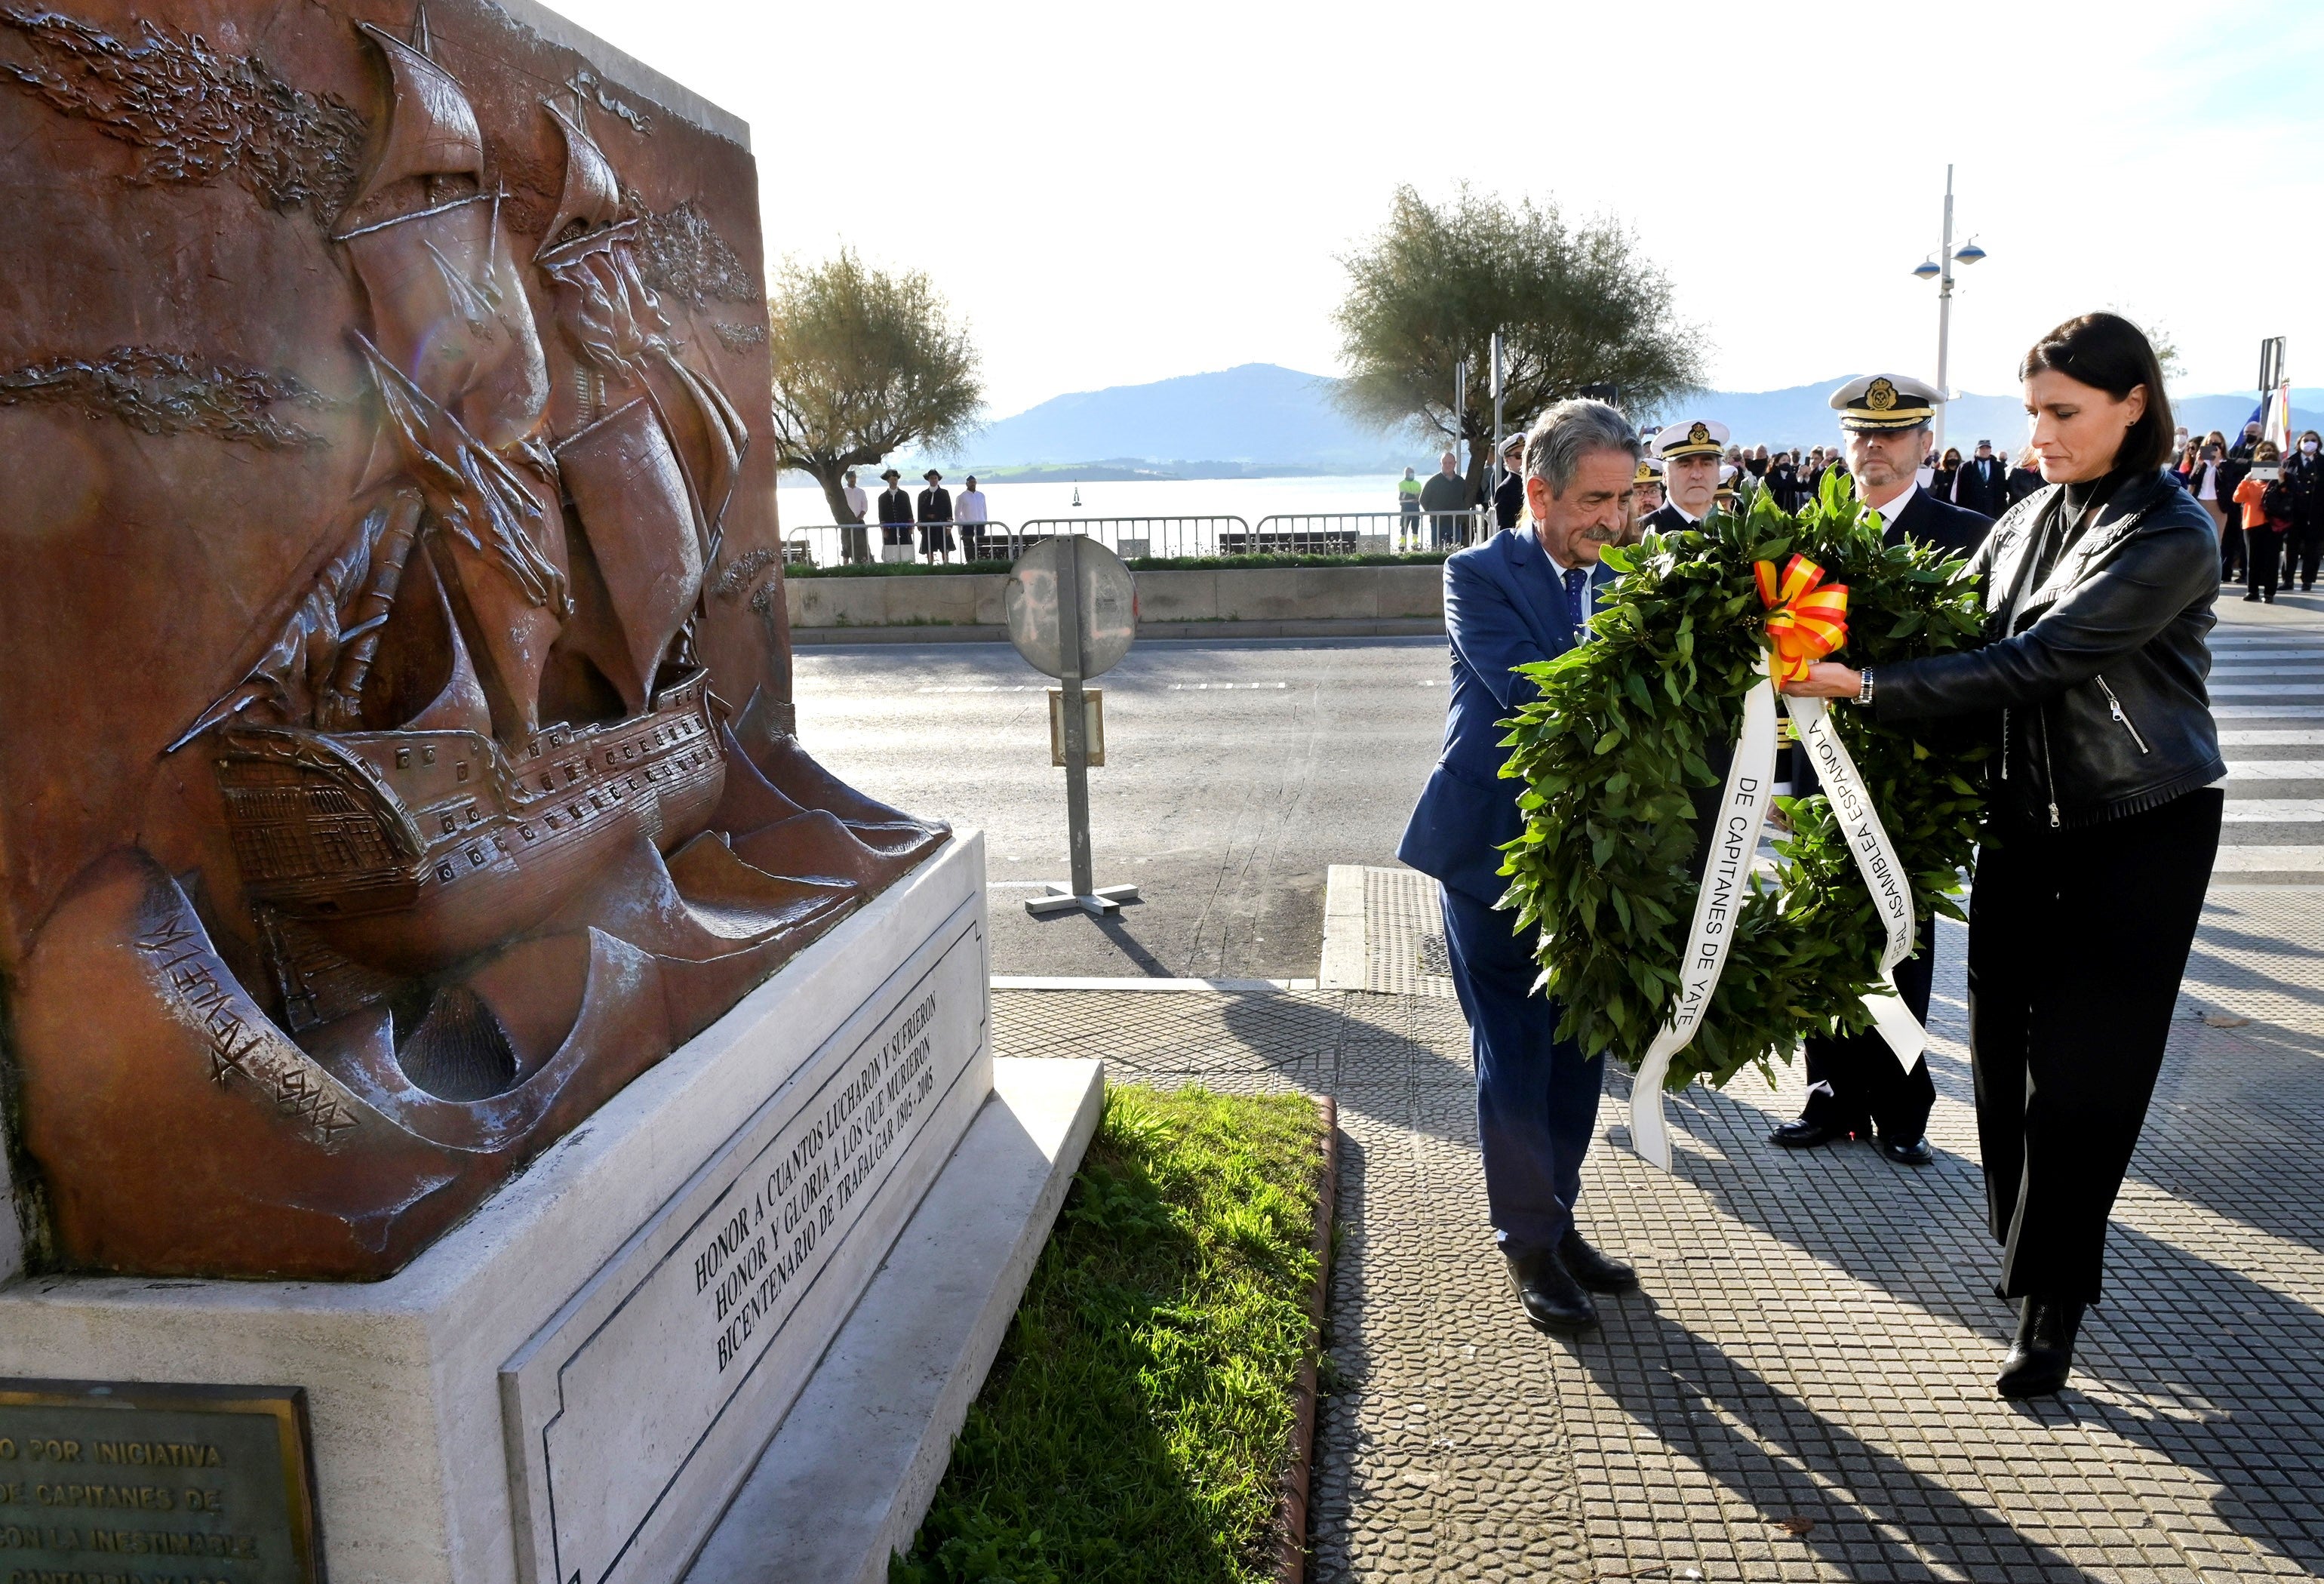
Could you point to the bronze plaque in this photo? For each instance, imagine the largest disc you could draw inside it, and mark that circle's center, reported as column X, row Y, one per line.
column 144, row 1484
column 392, row 665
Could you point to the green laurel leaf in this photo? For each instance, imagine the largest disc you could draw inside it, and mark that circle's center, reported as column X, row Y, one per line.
column 1620, row 745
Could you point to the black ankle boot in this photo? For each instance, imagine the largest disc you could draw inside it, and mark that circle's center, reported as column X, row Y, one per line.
column 2043, row 1354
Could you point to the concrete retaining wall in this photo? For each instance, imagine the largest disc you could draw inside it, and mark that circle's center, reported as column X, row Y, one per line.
column 1302, row 594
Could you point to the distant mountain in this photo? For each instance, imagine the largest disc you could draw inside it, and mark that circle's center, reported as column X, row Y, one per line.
column 1261, row 418
column 1255, row 418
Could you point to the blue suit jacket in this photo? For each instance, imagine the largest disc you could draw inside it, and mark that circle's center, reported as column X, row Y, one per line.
column 1504, row 607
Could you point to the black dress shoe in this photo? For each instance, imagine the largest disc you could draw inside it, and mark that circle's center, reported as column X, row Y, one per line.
column 1593, row 1269
column 1800, row 1133
column 1916, row 1153
column 2043, row 1354
column 1554, row 1301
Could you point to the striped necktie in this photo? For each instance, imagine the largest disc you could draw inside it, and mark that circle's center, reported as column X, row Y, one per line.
column 1577, row 597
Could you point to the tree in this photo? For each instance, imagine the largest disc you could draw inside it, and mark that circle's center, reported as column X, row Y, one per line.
column 866, row 363
column 1574, row 307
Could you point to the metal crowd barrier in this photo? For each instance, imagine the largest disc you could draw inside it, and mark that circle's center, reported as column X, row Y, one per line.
column 1364, row 533
column 826, row 544
column 1282, row 533
column 1133, row 536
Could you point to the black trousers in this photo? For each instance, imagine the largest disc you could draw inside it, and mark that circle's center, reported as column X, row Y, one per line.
column 2077, row 941
column 2303, row 549
column 1855, row 1082
column 2262, row 549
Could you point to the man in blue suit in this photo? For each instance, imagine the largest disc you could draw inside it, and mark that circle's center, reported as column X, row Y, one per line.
column 1522, row 596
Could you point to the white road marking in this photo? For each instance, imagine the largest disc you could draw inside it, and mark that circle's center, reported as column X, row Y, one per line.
column 2257, row 738
column 2269, row 859
column 2276, row 711
column 2276, row 769
column 1226, row 687
column 2269, row 811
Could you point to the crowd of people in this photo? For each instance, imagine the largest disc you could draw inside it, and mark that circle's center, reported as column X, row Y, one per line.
column 2267, row 507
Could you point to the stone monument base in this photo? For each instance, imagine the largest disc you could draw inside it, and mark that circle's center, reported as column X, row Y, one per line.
column 574, row 1383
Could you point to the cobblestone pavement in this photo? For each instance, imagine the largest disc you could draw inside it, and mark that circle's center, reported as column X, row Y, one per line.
column 1802, row 1390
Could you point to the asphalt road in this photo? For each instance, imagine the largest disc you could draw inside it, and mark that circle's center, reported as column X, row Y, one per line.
column 1236, row 774
column 1239, row 772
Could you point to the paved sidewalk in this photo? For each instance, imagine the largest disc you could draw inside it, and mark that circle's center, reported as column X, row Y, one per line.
column 1803, row 1389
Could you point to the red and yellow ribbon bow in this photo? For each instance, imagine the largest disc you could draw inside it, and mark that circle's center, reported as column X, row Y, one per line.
column 1806, row 621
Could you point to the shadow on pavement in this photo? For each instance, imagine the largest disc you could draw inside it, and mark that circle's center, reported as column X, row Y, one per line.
column 1872, row 1514
column 2222, row 1374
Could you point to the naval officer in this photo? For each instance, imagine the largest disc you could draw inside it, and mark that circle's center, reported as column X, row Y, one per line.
column 1647, row 481
column 1521, row 597
column 1689, row 451
column 1857, row 1089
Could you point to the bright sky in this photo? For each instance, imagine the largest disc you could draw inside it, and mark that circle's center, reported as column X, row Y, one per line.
column 1117, row 194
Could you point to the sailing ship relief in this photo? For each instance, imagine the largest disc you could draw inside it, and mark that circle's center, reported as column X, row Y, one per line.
column 499, row 847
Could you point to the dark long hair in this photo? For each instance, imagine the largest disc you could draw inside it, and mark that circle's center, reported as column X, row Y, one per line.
column 2110, row 354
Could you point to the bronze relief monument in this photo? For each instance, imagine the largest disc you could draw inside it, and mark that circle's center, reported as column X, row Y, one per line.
column 396, row 706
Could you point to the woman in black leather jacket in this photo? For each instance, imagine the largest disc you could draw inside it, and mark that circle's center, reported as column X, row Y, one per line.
column 2104, row 817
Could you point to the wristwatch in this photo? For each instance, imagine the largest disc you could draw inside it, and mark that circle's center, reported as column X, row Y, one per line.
column 1864, row 692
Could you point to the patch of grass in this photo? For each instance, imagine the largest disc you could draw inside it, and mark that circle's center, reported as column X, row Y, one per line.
column 1135, row 1424
column 1138, row 564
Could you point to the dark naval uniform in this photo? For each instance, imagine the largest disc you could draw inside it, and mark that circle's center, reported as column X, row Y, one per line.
column 1688, row 437
column 1856, row 1086
column 1668, row 518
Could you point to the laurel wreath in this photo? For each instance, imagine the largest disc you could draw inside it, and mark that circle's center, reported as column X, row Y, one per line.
column 1617, row 750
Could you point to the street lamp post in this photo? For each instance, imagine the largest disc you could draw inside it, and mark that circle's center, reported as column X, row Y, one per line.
column 1494, row 472
column 1461, row 410
column 1943, row 274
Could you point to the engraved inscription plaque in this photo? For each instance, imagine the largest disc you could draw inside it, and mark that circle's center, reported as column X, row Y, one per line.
column 187, row 1484
column 634, row 1410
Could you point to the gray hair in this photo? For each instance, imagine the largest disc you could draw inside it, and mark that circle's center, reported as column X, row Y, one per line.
column 1569, row 431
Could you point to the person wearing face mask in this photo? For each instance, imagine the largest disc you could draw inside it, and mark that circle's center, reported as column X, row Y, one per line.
column 2303, row 476
column 2207, row 482
column 1518, row 598
column 2103, row 818
column 1689, row 452
column 2266, row 508
column 1855, row 1087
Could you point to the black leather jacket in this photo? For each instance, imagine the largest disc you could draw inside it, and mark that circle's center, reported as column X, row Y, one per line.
column 2103, row 707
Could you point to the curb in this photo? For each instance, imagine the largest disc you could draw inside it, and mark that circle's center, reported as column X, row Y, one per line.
column 1346, row 963
column 1291, row 1508
column 1351, row 627
column 1246, row 987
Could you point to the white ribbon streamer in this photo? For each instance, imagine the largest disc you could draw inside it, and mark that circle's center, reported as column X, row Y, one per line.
column 1726, row 872
column 1877, row 861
